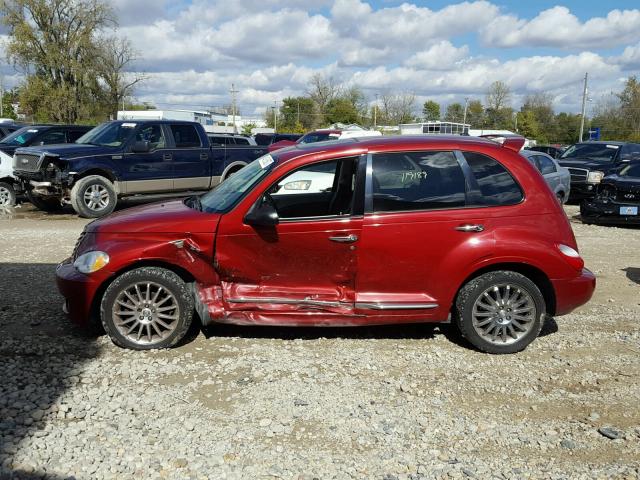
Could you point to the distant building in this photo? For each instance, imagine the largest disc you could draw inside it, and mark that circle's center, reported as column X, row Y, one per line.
column 434, row 128
column 212, row 121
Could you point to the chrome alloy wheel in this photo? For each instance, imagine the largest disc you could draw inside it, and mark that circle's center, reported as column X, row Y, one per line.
column 5, row 197
column 503, row 314
column 146, row 313
column 96, row 197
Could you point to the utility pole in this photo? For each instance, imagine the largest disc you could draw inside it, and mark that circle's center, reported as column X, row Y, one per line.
column 298, row 119
column 275, row 116
column 375, row 113
column 1, row 98
column 584, row 105
column 233, row 92
column 464, row 116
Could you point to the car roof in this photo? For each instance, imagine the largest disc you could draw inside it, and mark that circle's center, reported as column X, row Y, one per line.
column 380, row 142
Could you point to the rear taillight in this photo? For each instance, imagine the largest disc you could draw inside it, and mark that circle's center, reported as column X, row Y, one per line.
column 572, row 256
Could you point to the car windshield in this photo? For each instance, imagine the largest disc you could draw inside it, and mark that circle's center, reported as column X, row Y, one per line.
column 109, row 134
column 632, row 170
column 594, row 151
column 229, row 192
column 20, row 137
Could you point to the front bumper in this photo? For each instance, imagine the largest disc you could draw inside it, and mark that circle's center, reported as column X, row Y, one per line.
column 79, row 291
column 596, row 211
column 581, row 191
column 574, row 292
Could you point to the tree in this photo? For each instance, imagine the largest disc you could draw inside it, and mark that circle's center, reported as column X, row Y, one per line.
column 297, row 114
column 321, row 91
column 247, row 128
column 498, row 96
column 475, row 114
column 630, row 107
column 341, row 110
column 431, row 111
column 454, row 113
column 396, row 108
column 528, row 125
column 115, row 56
column 8, row 99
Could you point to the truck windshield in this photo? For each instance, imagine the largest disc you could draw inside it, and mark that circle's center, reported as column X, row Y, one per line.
column 592, row 151
column 20, row 137
column 228, row 193
column 109, row 134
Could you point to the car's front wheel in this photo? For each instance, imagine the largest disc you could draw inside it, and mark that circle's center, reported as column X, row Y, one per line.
column 147, row 308
column 7, row 195
column 500, row 312
column 93, row 196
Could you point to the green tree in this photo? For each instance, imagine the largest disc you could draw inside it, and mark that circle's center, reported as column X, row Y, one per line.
column 630, row 107
column 297, row 114
column 430, row 111
column 475, row 114
column 454, row 113
column 9, row 97
column 528, row 125
column 341, row 110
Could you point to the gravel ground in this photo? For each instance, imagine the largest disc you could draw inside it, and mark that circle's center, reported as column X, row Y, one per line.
column 271, row 403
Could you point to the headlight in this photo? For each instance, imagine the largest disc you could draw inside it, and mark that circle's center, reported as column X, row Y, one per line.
column 91, row 262
column 595, row 176
column 298, row 185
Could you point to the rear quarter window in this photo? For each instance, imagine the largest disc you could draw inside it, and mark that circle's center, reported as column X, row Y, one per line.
column 497, row 186
column 185, row 136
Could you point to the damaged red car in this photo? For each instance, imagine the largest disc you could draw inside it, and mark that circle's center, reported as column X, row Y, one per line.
column 355, row 232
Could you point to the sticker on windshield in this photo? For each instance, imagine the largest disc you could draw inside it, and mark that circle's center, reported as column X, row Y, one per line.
column 128, row 125
column 265, row 161
column 32, row 130
column 613, row 146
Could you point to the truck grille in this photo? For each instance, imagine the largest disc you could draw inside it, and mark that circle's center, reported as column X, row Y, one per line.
column 26, row 162
column 627, row 196
column 578, row 174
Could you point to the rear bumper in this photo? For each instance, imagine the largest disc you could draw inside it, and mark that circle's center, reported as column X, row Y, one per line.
column 573, row 292
column 78, row 290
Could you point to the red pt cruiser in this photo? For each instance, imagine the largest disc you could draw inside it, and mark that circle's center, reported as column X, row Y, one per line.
column 354, row 232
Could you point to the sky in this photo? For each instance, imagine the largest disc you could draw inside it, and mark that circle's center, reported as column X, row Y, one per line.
column 192, row 51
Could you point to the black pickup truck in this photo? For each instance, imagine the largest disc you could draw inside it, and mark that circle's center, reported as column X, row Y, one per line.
column 589, row 162
column 124, row 158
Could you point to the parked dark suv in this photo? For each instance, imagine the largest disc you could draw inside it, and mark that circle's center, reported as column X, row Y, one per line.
column 590, row 162
column 42, row 135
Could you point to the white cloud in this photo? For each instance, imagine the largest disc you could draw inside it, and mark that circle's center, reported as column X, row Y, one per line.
column 630, row 58
column 558, row 27
column 440, row 56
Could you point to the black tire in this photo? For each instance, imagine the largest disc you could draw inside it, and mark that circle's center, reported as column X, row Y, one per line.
column 172, row 284
column 7, row 195
column 93, row 207
column 474, row 290
column 43, row 203
column 560, row 197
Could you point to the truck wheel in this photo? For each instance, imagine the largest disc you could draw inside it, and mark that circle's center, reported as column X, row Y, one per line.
column 93, row 197
column 500, row 312
column 44, row 204
column 147, row 308
column 7, row 195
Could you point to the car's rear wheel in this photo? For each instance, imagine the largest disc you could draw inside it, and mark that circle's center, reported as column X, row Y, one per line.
column 560, row 197
column 147, row 308
column 43, row 203
column 7, row 195
column 500, row 312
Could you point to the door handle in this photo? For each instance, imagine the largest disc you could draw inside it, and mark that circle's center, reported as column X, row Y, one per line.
column 348, row 239
column 470, row 228
column 204, row 156
column 167, row 156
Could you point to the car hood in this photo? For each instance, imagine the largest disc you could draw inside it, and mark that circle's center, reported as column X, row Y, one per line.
column 69, row 150
column 162, row 217
column 584, row 162
column 627, row 183
column 8, row 149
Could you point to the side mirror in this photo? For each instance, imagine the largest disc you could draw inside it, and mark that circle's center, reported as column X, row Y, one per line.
column 141, row 146
column 263, row 213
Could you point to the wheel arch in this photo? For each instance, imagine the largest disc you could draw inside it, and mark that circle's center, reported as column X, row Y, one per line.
column 101, row 172
column 232, row 167
column 534, row 274
column 97, row 298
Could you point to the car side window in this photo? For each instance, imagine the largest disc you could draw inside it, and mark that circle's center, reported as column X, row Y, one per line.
column 546, row 165
column 185, row 136
column 152, row 134
column 416, row 181
column 630, row 151
column 316, row 190
column 73, row 135
column 241, row 141
column 52, row 137
column 497, row 186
